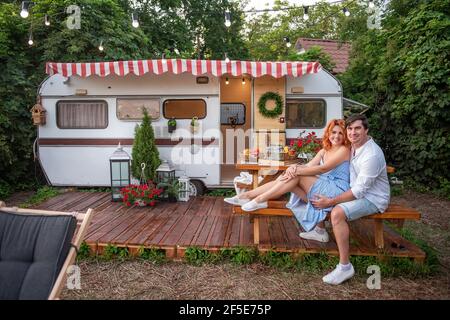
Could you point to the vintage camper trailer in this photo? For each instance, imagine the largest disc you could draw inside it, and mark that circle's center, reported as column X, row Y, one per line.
column 92, row 107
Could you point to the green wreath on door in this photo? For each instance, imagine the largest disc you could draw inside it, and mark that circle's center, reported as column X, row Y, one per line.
column 275, row 112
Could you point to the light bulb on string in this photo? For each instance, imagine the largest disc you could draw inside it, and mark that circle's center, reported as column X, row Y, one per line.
column 227, row 60
column 305, row 13
column 24, row 12
column 227, row 18
column 135, row 21
column 227, row 81
column 346, row 12
column 100, row 47
column 288, row 42
column 243, row 81
column 46, row 20
column 30, row 39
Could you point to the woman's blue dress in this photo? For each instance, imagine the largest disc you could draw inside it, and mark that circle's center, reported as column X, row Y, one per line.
column 329, row 184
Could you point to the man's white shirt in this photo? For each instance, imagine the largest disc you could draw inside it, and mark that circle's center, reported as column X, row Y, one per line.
column 368, row 175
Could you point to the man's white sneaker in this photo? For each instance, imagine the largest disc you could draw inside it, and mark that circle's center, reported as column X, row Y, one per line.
column 337, row 276
column 236, row 201
column 253, row 205
column 314, row 235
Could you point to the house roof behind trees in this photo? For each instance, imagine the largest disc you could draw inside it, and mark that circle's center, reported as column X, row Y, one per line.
column 339, row 51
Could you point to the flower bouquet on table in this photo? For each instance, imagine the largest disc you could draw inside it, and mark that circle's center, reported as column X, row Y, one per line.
column 305, row 147
column 140, row 195
column 250, row 155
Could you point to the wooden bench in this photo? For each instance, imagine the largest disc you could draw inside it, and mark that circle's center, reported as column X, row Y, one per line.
column 395, row 213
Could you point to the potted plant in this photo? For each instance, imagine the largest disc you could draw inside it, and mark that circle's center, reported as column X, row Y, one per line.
column 194, row 124
column 305, row 147
column 140, row 195
column 171, row 190
column 172, row 125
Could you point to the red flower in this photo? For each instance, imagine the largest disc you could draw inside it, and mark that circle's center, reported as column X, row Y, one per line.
column 152, row 203
column 299, row 143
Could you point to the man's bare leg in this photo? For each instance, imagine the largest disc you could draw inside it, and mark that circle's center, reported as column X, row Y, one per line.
column 341, row 233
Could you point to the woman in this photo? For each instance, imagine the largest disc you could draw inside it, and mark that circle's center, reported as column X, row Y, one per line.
column 327, row 174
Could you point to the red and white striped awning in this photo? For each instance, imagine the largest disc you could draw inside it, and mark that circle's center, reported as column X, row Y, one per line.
column 177, row 66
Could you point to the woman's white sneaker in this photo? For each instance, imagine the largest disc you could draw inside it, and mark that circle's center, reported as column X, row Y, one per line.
column 314, row 235
column 337, row 276
column 236, row 201
column 253, row 205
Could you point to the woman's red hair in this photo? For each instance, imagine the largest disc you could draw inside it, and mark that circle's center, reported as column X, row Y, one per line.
column 334, row 122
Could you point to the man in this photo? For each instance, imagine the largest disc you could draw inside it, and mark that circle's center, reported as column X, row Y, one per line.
column 368, row 194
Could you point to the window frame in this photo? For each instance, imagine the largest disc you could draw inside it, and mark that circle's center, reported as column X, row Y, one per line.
column 138, row 98
column 245, row 112
column 164, row 109
column 78, row 101
column 288, row 99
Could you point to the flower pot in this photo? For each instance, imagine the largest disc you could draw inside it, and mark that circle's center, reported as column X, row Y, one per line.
column 172, row 198
column 172, row 128
column 140, row 203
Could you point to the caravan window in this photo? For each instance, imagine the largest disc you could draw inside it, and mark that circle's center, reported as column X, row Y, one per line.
column 184, row 108
column 232, row 113
column 131, row 109
column 305, row 113
column 82, row 114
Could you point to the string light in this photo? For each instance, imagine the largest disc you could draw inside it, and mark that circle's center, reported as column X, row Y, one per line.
column 135, row 21
column 46, row 20
column 346, row 12
column 30, row 39
column 243, row 80
column 305, row 13
column 227, row 60
column 227, row 18
column 288, row 42
column 24, row 12
column 227, row 81
column 100, row 47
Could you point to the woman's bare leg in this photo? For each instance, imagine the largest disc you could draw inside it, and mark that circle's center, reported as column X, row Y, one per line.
column 259, row 190
column 278, row 189
column 256, row 192
column 300, row 193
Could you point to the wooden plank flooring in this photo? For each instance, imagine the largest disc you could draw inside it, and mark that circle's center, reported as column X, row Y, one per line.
column 208, row 222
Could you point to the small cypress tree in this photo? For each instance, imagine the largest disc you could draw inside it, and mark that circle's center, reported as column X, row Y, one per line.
column 144, row 149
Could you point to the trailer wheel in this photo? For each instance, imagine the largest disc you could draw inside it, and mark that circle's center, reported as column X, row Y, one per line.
column 196, row 188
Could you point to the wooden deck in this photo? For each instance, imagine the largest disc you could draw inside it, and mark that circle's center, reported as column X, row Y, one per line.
column 208, row 222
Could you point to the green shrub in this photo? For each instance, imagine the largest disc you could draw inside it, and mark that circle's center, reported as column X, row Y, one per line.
column 84, row 251
column 115, row 252
column 239, row 255
column 280, row 260
column 41, row 195
column 157, row 256
column 197, row 256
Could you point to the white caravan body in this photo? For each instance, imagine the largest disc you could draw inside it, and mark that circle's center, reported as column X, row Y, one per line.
column 80, row 157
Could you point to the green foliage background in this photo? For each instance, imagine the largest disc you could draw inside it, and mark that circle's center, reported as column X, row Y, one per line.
column 164, row 25
column 403, row 72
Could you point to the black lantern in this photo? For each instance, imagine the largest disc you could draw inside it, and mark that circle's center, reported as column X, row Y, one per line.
column 165, row 173
column 120, row 172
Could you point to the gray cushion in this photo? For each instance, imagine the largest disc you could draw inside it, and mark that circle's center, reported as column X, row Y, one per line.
column 32, row 251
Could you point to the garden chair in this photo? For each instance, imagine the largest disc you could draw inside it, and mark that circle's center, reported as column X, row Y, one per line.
column 36, row 249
